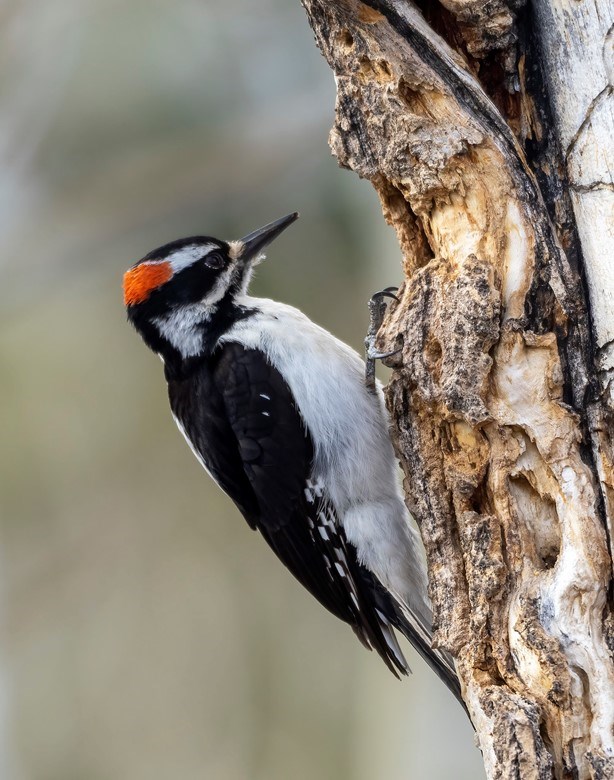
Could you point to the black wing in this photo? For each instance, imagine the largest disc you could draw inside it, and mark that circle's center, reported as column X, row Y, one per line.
column 198, row 407
column 240, row 418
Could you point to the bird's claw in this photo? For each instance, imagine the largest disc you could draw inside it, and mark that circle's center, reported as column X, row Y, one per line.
column 383, row 355
column 387, row 292
column 377, row 309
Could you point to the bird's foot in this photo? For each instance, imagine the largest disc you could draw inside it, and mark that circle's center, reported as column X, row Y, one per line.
column 377, row 310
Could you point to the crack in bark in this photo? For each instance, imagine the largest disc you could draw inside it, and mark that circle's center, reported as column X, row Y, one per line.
column 605, row 93
column 593, row 186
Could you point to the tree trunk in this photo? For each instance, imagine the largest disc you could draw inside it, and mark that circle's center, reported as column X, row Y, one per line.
column 485, row 128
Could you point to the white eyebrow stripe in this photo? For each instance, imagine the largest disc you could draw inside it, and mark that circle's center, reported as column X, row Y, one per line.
column 187, row 255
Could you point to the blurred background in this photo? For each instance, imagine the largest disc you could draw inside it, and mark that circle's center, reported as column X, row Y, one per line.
column 145, row 631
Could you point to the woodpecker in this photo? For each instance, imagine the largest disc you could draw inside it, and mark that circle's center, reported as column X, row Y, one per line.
column 277, row 411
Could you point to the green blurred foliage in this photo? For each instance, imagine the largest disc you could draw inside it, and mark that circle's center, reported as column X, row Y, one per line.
column 147, row 633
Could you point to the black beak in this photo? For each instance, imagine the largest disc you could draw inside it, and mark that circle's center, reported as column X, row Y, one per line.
column 253, row 243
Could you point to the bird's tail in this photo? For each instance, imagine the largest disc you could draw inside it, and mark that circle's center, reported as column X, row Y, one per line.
column 415, row 623
column 416, row 629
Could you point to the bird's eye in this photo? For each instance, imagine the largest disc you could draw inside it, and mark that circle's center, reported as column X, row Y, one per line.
column 214, row 260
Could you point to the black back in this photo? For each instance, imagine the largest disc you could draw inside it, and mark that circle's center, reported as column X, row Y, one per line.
column 240, row 417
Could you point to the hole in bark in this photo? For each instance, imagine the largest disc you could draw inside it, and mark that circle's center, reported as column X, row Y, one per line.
column 543, row 732
column 541, row 521
column 377, row 69
column 434, row 350
column 412, row 99
column 432, row 358
column 385, row 68
column 444, row 23
column 474, row 43
column 410, row 231
column 584, row 694
column 487, row 664
column 346, row 41
column 479, row 501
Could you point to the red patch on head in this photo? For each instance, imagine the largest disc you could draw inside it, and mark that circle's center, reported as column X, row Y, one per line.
column 141, row 281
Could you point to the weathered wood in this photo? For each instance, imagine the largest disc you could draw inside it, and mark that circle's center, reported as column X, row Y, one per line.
column 497, row 421
column 576, row 41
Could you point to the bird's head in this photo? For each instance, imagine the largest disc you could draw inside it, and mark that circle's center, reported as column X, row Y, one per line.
column 175, row 290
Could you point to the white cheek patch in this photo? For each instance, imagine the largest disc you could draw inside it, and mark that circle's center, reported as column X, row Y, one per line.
column 183, row 258
column 181, row 328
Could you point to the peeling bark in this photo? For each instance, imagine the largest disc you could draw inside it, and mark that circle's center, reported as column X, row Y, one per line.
column 501, row 394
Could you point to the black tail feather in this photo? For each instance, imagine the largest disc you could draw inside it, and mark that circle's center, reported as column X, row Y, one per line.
column 439, row 661
column 391, row 613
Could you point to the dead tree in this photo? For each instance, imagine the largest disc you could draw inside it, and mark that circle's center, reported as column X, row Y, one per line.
column 486, row 128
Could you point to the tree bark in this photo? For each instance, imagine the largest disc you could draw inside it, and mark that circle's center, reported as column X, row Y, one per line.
column 485, row 128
